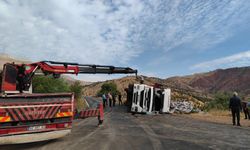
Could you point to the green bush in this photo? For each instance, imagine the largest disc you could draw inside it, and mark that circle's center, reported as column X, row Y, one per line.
column 47, row 84
column 77, row 88
column 108, row 87
column 220, row 102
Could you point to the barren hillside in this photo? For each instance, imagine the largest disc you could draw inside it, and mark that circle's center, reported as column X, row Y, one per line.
column 4, row 58
column 197, row 88
column 222, row 80
column 70, row 80
column 123, row 83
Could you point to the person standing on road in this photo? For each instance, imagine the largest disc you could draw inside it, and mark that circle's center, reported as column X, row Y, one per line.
column 107, row 99
column 110, row 99
column 235, row 107
column 245, row 109
column 104, row 100
column 248, row 108
column 120, row 99
column 114, row 99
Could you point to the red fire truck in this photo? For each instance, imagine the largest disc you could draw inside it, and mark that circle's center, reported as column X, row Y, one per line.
column 28, row 117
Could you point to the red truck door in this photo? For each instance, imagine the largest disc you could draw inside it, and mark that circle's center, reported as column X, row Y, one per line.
column 9, row 78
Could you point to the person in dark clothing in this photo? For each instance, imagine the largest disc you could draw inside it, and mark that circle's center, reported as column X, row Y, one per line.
column 245, row 110
column 120, row 99
column 110, row 99
column 248, row 108
column 104, row 100
column 235, row 107
column 114, row 99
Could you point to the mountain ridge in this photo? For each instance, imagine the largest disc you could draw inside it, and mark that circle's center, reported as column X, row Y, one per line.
column 198, row 88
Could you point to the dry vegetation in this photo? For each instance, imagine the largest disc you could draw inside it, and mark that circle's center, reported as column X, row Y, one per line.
column 218, row 116
column 122, row 84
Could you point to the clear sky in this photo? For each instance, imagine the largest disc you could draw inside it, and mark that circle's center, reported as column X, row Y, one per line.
column 160, row 38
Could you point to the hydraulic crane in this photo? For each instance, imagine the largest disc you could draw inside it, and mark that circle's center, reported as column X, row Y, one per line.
column 19, row 76
column 29, row 117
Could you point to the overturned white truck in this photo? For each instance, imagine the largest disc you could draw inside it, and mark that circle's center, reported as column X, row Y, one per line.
column 148, row 99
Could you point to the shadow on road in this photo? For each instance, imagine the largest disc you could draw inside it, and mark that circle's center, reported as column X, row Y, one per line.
column 123, row 131
column 28, row 145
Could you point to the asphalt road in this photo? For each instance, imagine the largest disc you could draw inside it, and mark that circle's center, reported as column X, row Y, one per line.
column 122, row 130
column 92, row 101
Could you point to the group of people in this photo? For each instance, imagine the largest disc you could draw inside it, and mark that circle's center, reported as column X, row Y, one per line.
column 110, row 99
column 236, row 106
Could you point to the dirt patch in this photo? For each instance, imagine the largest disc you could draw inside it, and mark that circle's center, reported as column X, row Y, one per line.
column 216, row 116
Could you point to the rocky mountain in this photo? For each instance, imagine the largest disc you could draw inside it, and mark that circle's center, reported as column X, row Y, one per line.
column 122, row 84
column 221, row 80
column 197, row 88
column 70, row 80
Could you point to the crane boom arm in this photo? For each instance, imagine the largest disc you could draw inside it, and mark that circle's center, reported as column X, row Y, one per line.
column 74, row 68
column 15, row 75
